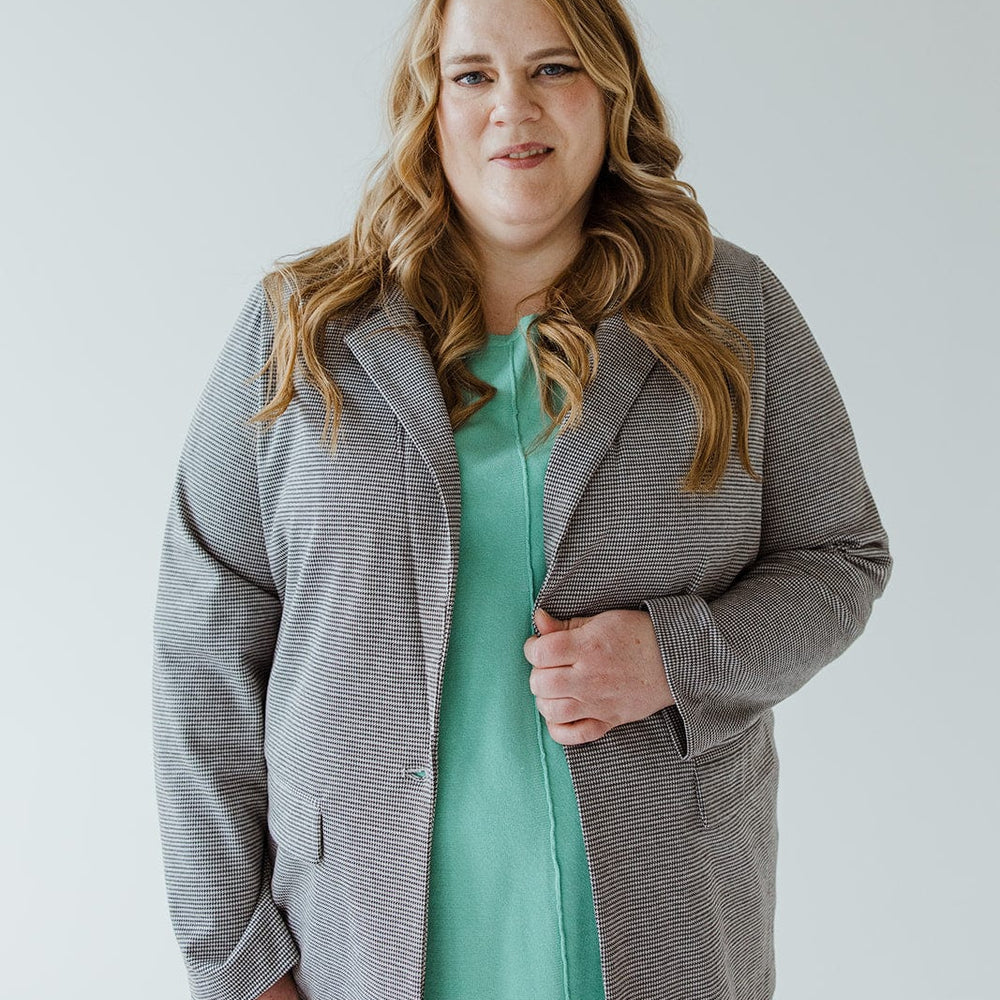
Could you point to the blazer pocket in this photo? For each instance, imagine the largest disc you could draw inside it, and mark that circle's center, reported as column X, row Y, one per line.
column 728, row 776
column 295, row 822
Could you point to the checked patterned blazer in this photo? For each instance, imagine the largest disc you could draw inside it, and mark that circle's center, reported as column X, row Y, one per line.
column 302, row 623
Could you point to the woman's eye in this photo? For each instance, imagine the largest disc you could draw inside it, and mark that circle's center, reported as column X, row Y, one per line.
column 555, row 69
column 471, row 79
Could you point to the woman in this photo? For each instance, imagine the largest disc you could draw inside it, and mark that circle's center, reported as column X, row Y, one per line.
column 374, row 780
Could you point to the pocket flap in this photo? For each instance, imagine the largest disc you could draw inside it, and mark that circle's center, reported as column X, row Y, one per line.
column 295, row 821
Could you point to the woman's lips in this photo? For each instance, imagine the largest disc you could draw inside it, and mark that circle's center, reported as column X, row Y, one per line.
column 522, row 157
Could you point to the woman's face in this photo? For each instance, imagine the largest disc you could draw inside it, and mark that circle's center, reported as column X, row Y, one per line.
column 521, row 127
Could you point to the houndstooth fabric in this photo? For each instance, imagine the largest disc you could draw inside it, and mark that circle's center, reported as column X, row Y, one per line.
column 302, row 624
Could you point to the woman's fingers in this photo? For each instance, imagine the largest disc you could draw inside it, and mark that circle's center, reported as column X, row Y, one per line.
column 574, row 733
column 606, row 671
column 560, row 710
column 552, row 682
column 552, row 650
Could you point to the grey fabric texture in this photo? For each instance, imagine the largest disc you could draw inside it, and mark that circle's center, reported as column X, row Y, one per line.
column 302, row 623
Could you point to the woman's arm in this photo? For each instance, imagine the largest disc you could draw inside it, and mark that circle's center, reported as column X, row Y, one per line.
column 823, row 560
column 823, row 557
column 217, row 617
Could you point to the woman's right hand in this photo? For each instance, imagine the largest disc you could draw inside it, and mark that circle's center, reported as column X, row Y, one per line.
column 283, row 989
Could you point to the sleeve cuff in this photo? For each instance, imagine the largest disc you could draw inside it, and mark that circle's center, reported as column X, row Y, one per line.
column 264, row 953
column 680, row 622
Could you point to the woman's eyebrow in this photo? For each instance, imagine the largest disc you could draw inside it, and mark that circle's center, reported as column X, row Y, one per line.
column 478, row 57
column 561, row 50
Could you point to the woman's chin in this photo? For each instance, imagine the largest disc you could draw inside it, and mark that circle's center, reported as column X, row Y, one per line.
column 527, row 228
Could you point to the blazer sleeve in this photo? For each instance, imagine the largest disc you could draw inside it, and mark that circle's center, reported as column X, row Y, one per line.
column 822, row 562
column 216, row 621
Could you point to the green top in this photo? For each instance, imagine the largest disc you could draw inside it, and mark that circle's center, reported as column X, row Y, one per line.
column 511, row 915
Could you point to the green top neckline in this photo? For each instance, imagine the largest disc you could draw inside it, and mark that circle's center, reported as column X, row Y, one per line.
column 519, row 331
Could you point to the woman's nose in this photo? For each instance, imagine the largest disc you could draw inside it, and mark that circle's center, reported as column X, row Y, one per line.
column 514, row 103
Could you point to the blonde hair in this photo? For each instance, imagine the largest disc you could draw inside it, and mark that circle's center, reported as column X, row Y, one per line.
column 646, row 252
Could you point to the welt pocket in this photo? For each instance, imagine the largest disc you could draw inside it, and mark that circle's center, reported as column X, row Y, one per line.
column 295, row 821
column 728, row 776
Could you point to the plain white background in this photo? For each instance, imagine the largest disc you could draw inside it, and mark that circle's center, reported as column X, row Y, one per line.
column 159, row 157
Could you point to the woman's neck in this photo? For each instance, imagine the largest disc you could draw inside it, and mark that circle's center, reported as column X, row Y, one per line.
column 505, row 303
column 514, row 282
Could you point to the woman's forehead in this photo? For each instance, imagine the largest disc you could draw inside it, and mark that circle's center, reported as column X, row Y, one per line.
column 485, row 28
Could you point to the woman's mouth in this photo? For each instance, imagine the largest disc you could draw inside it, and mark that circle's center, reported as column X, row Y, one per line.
column 525, row 155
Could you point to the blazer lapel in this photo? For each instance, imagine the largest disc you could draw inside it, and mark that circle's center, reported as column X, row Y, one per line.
column 387, row 346
column 623, row 363
column 398, row 363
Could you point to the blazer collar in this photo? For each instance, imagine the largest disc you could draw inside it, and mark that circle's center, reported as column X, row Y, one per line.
column 389, row 348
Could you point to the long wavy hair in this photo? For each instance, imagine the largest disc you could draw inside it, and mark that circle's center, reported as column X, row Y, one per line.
column 646, row 252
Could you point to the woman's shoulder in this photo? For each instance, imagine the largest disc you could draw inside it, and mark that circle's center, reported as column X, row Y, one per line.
column 743, row 289
column 733, row 263
column 734, row 282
